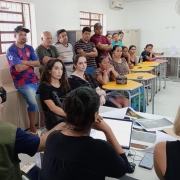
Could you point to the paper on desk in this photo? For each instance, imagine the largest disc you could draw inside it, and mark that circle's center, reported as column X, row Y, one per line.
column 118, row 113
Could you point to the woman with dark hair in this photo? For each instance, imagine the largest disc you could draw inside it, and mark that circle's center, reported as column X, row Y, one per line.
column 106, row 73
column 119, row 62
column 72, row 154
column 53, row 85
column 122, row 68
column 109, row 36
column 132, row 53
column 80, row 79
column 125, row 54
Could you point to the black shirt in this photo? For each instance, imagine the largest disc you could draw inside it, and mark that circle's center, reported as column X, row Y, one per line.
column 45, row 92
column 80, row 158
column 145, row 54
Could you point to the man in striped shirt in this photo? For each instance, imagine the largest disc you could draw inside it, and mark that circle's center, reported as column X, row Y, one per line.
column 88, row 49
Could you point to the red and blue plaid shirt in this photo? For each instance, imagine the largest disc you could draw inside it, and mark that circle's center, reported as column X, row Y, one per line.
column 14, row 56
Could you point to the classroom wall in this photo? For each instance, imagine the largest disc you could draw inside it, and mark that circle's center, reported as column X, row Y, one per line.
column 158, row 22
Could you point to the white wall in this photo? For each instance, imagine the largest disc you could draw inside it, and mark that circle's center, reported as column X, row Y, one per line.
column 56, row 14
column 153, row 18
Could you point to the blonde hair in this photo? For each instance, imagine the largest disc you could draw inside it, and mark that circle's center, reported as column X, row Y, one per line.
column 177, row 123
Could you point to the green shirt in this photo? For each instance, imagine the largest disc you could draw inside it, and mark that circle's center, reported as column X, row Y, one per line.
column 9, row 162
column 41, row 51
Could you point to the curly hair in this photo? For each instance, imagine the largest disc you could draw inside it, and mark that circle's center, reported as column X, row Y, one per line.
column 46, row 76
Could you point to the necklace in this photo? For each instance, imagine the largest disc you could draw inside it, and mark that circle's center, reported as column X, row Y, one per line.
column 77, row 129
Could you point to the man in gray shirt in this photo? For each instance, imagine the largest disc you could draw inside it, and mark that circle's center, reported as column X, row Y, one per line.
column 46, row 50
column 65, row 49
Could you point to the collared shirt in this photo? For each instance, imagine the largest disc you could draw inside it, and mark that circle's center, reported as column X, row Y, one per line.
column 14, row 56
column 103, row 40
column 66, row 52
column 145, row 54
column 86, row 47
column 119, row 43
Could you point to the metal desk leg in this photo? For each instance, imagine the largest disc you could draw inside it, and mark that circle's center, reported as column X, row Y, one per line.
column 177, row 74
column 139, row 100
column 153, row 91
column 156, row 77
column 144, row 99
column 129, row 98
column 165, row 71
column 160, row 69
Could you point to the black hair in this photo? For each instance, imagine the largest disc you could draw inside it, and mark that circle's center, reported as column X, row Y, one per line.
column 80, row 107
column 60, row 31
column 124, row 47
column 115, row 47
column 101, row 58
column 115, row 34
column 132, row 46
column 120, row 32
column 149, row 45
column 108, row 34
column 88, row 29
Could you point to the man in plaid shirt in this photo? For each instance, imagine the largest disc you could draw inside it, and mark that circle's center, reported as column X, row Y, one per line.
column 22, row 60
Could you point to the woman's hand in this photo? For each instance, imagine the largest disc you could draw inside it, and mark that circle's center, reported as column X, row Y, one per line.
column 99, row 119
column 102, row 100
column 101, row 126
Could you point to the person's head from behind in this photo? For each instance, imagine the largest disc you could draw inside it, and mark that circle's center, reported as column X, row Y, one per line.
column 86, row 33
column 124, row 51
column 55, row 70
column 149, row 48
column 117, row 51
column 62, row 36
column 121, row 35
column 80, row 63
column 132, row 49
column 109, row 36
column 98, row 29
column 20, row 34
column 46, row 38
column 115, row 37
column 81, row 107
column 104, row 63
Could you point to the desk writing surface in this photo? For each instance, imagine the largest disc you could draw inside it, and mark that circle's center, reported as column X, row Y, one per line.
column 131, row 85
column 139, row 173
column 146, row 76
column 153, row 64
column 142, row 68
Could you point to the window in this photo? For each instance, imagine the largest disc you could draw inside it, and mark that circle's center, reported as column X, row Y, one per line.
column 89, row 19
column 12, row 14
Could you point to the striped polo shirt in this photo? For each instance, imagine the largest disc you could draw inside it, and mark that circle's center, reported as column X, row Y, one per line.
column 86, row 47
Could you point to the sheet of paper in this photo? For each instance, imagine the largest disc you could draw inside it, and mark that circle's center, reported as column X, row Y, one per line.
column 154, row 124
column 118, row 113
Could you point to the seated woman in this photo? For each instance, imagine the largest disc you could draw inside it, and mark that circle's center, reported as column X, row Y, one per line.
column 106, row 73
column 53, row 85
column 72, row 154
column 125, row 54
column 109, row 36
column 121, row 67
column 80, row 79
column 148, row 54
column 133, row 59
column 118, row 62
column 167, row 156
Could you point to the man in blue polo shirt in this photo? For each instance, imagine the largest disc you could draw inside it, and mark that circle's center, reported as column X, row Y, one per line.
column 22, row 60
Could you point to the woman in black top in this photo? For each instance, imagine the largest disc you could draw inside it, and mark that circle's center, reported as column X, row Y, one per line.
column 167, row 156
column 80, row 79
column 132, row 53
column 72, row 154
column 53, row 82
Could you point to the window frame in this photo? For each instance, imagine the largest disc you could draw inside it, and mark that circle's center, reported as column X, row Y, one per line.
column 14, row 22
column 90, row 19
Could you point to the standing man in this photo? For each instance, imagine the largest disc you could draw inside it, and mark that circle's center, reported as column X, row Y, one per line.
column 46, row 50
column 116, row 40
column 121, row 35
column 22, row 60
column 88, row 49
column 101, row 42
column 65, row 49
